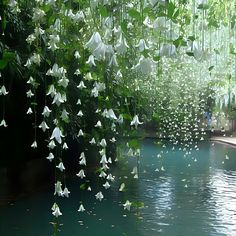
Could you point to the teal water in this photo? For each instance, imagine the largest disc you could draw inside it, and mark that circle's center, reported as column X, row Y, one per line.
column 194, row 195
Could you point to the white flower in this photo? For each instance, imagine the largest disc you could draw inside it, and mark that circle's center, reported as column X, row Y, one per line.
column 50, row 157
column 122, row 187
column 81, row 133
column 38, row 31
column 111, row 114
column 98, row 124
column 145, row 65
column 100, row 51
column 38, row 14
column 91, row 61
column 77, row 55
column 46, row 111
column 3, row 123
column 127, row 205
column 147, row 22
column 92, row 141
column 135, row 122
column 106, row 185
column 77, row 72
column 103, row 143
column 52, row 91
column 99, row 196
column 81, row 174
column 113, row 61
column 79, row 16
column 29, row 94
column 66, row 192
column 30, row 39
column 167, row 50
column 121, row 46
column 34, row 144
column 81, row 208
column 35, row 58
column 78, row 102
column 57, row 211
column 65, row 146
column 59, row 98
column 80, row 113
column 61, row 166
column 103, row 160
column 111, row 178
column 135, row 172
column 113, row 140
column 43, row 126
column 94, row 41
column 29, row 111
column 81, row 85
column 102, row 174
column 58, row 190
column 53, row 40
column 142, row 45
column 64, row 115
column 57, row 134
column 51, row 144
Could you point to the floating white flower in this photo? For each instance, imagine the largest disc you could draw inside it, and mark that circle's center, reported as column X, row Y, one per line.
column 136, row 121
column 3, row 123
column 57, row 135
column 65, row 147
column 29, row 111
column 99, row 196
column 50, row 157
column 81, row 174
column 127, row 205
column 61, row 166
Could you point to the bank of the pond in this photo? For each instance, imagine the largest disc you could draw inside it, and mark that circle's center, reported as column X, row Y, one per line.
column 226, row 140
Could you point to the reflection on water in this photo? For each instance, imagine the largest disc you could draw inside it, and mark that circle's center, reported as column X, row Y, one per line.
column 194, row 195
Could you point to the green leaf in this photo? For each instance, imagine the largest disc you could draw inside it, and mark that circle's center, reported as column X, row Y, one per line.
column 3, row 64
column 135, row 14
column 103, row 11
column 127, row 116
column 134, row 143
column 191, row 54
column 170, row 9
column 82, row 186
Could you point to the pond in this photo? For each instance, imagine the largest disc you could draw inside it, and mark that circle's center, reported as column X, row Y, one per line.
column 182, row 195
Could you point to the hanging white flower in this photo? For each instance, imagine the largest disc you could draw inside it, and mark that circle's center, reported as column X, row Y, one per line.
column 66, row 192
column 65, row 147
column 80, row 113
column 57, row 211
column 92, row 141
column 145, row 65
column 106, row 185
column 142, row 45
column 3, row 123
column 77, row 55
column 61, row 166
column 50, row 157
column 113, row 61
column 81, row 208
column 81, row 174
column 91, row 61
column 57, row 135
column 43, row 126
column 51, row 144
column 53, row 40
column 135, row 121
column 46, row 111
column 103, row 143
column 98, row 124
column 127, row 205
column 29, row 111
column 81, row 85
column 34, row 144
column 94, row 41
column 58, row 190
column 121, row 46
column 81, row 133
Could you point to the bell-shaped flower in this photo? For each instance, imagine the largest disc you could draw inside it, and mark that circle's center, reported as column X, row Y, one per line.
column 57, row 135
column 29, row 94
column 148, row 22
column 160, row 23
column 59, row 98
column 80, row 113
column 64, row 115
column 122, row 187
column 100, row 51
column 106, row 185
column 52, row 91
column 167, row 50
column 29, row 111
column 121, row 46
column 80, row 133
column 111, row 178
column 30, row 39
column 127, row 205
column 53, row 40
column 102, row 174
column 81, row 174
column 61, row 166
column 43, row 126
column 51, row 144
column 57, row 211
column 46, row 111
column 81, row 208
column 39, row 31
column 3, row 123
column 111, row 114
column 113, row 140
column 103, row 160
column 77, row 72
column 113, row 61
column 78, row 102
column 98, row 124
column 79, row 16
column 77, row 55
column 91, row 61
column 103, row 143
column 94, row 41
column 99, row 196
column 92, row 141
column 145, row 65
column 38, row 14
column 63, row 82
column 65, row 147
column 81, row 85
column 66, row 192
column 35, row 58
column 136, row 121
column 58, row 190
column 120, row 119
column 3, row 91
column 135, row 172
column 50, row 157
column 34, row 144
column 142, row 45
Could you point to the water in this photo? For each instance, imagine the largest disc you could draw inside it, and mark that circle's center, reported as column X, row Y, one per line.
column 194, row 195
